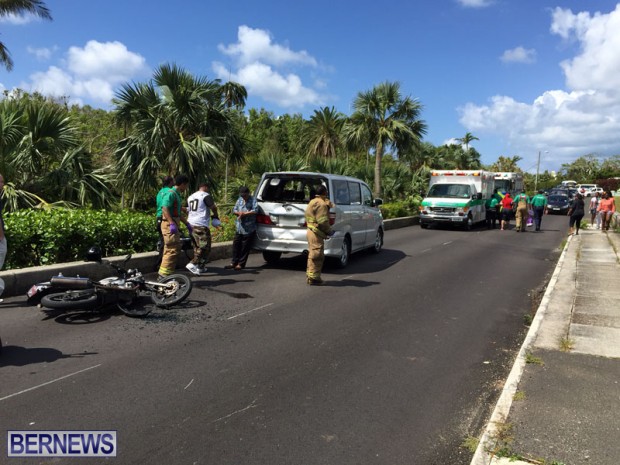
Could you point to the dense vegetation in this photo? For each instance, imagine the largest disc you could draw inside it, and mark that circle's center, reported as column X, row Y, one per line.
column 77, row 175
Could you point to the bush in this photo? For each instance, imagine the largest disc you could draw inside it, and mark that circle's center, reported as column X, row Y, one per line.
column 45, row 237
column 399, row 209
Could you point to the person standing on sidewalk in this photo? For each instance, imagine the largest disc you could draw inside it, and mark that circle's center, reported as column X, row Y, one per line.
column 539, row 206
column 594, row 216
column 172, row 217
column 606, row 208
column 521, row 201
column 245, row 209
column 317, row 219
column 199, row 207
column 576, row 212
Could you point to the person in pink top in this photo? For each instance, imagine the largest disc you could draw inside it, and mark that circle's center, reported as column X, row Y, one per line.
column 606, row 208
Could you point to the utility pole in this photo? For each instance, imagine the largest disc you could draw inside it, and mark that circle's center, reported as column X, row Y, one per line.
column 537, row 168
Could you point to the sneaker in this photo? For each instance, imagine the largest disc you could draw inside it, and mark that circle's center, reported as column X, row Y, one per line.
column 315, row 282
column 193, row 269
column 203, row 270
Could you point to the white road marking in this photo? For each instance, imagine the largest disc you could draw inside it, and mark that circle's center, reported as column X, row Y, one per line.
column 348, row 277
column 252, row 405
column 426, row 250
column 49, row 382
column 188, row 384
column 447, row 243
column 250, row 311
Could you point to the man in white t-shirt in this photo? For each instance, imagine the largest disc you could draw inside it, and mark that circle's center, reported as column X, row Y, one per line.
column 199, row 207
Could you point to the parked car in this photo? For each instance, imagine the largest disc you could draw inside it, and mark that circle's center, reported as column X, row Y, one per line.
column 282, row 198
column 586, row 189
column 558, row 203
column 561, row 191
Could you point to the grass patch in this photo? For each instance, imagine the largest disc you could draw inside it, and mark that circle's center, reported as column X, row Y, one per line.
column 470, row 443
column 533, row 360
column 519, row 395
column 527, row 319
column 566, row 344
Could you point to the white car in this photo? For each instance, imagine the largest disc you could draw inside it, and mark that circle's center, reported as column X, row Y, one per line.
column 587, row 189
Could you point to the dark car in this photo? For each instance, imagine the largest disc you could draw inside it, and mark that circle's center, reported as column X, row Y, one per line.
column 558, row 203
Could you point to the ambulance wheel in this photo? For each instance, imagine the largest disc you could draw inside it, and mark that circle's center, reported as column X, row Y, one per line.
column 424, row 225
column 469, row 224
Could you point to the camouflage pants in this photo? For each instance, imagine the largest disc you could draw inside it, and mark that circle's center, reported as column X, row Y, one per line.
column 202, row 246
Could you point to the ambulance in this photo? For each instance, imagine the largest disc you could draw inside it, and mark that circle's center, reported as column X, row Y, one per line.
column 456, row 197
column 509, row 182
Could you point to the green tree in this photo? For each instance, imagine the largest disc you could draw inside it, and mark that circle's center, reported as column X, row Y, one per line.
column 19, row 7
column 384, row 119
column 507, row 164
column 583, row 170
column 323, row 133
column 177, row 123
column 467, row 139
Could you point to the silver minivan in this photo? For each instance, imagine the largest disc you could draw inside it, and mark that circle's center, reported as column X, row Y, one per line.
column 282, row 199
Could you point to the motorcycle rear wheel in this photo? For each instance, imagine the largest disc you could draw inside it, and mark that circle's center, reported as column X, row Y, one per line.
column 178, row 288
column 70, row 299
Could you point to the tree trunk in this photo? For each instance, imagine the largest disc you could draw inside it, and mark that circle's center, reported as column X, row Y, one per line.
column 378, row 157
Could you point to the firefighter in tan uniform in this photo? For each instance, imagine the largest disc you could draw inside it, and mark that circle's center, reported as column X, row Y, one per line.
column 317, row 219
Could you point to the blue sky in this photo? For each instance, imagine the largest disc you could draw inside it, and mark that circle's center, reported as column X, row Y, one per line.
column 524, row 76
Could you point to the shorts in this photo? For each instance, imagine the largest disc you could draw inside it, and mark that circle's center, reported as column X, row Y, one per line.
column 575, row 219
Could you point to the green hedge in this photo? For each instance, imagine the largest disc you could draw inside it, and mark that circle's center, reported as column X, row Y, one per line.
column 399, row 209
column 44, row 237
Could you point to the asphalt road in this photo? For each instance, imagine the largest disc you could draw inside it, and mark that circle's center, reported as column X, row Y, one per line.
column 396, row 360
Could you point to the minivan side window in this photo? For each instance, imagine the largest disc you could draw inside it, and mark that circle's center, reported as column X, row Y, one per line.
column 366, row 196
column 341, row 194
column 354, row 193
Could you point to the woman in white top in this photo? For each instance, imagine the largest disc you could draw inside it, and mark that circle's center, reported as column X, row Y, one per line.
column 593, row 211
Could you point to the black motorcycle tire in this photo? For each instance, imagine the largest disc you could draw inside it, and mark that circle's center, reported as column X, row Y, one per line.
column 181, row 290
column 70, row 299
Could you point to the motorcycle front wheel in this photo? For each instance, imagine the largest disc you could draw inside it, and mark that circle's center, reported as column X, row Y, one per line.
column 70, row 299
column 177, row 289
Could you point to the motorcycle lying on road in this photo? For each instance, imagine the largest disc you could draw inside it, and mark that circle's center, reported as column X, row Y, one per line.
column 124, row 290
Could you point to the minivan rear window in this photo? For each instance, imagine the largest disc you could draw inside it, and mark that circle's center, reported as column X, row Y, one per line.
column 285, row 189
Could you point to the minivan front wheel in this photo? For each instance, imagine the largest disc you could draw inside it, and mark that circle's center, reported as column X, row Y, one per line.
column 345, row 253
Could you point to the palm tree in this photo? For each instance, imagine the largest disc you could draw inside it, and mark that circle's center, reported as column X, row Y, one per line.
column 177, row 123
column 466, row 139
column 234, row 95
column 323, row 133
column 19, row 7
column 382, row 120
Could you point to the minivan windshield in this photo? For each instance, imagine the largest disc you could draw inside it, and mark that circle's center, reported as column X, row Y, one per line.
column 289, row 189
column 457, row 191
column 558, row 198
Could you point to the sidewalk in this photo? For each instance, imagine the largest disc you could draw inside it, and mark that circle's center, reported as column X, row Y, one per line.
column 561, row 402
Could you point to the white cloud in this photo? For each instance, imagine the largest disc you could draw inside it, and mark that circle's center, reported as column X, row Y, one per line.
column 90, row 73
column 475, row 3
column 18, row 20
column 266, row 69
column 519, row 55
column 42, row 54
column 581, row 119
column 255, row 45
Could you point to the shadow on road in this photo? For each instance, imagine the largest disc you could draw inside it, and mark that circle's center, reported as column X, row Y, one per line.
column 22, row 356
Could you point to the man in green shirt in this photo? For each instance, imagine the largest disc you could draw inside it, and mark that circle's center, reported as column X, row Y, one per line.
column 492, row 209
column 168, row 183
column 539, row 205
column 172, row 217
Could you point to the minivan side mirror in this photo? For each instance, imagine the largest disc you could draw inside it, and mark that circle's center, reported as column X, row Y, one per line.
column 477, row 196
column 377, row 202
